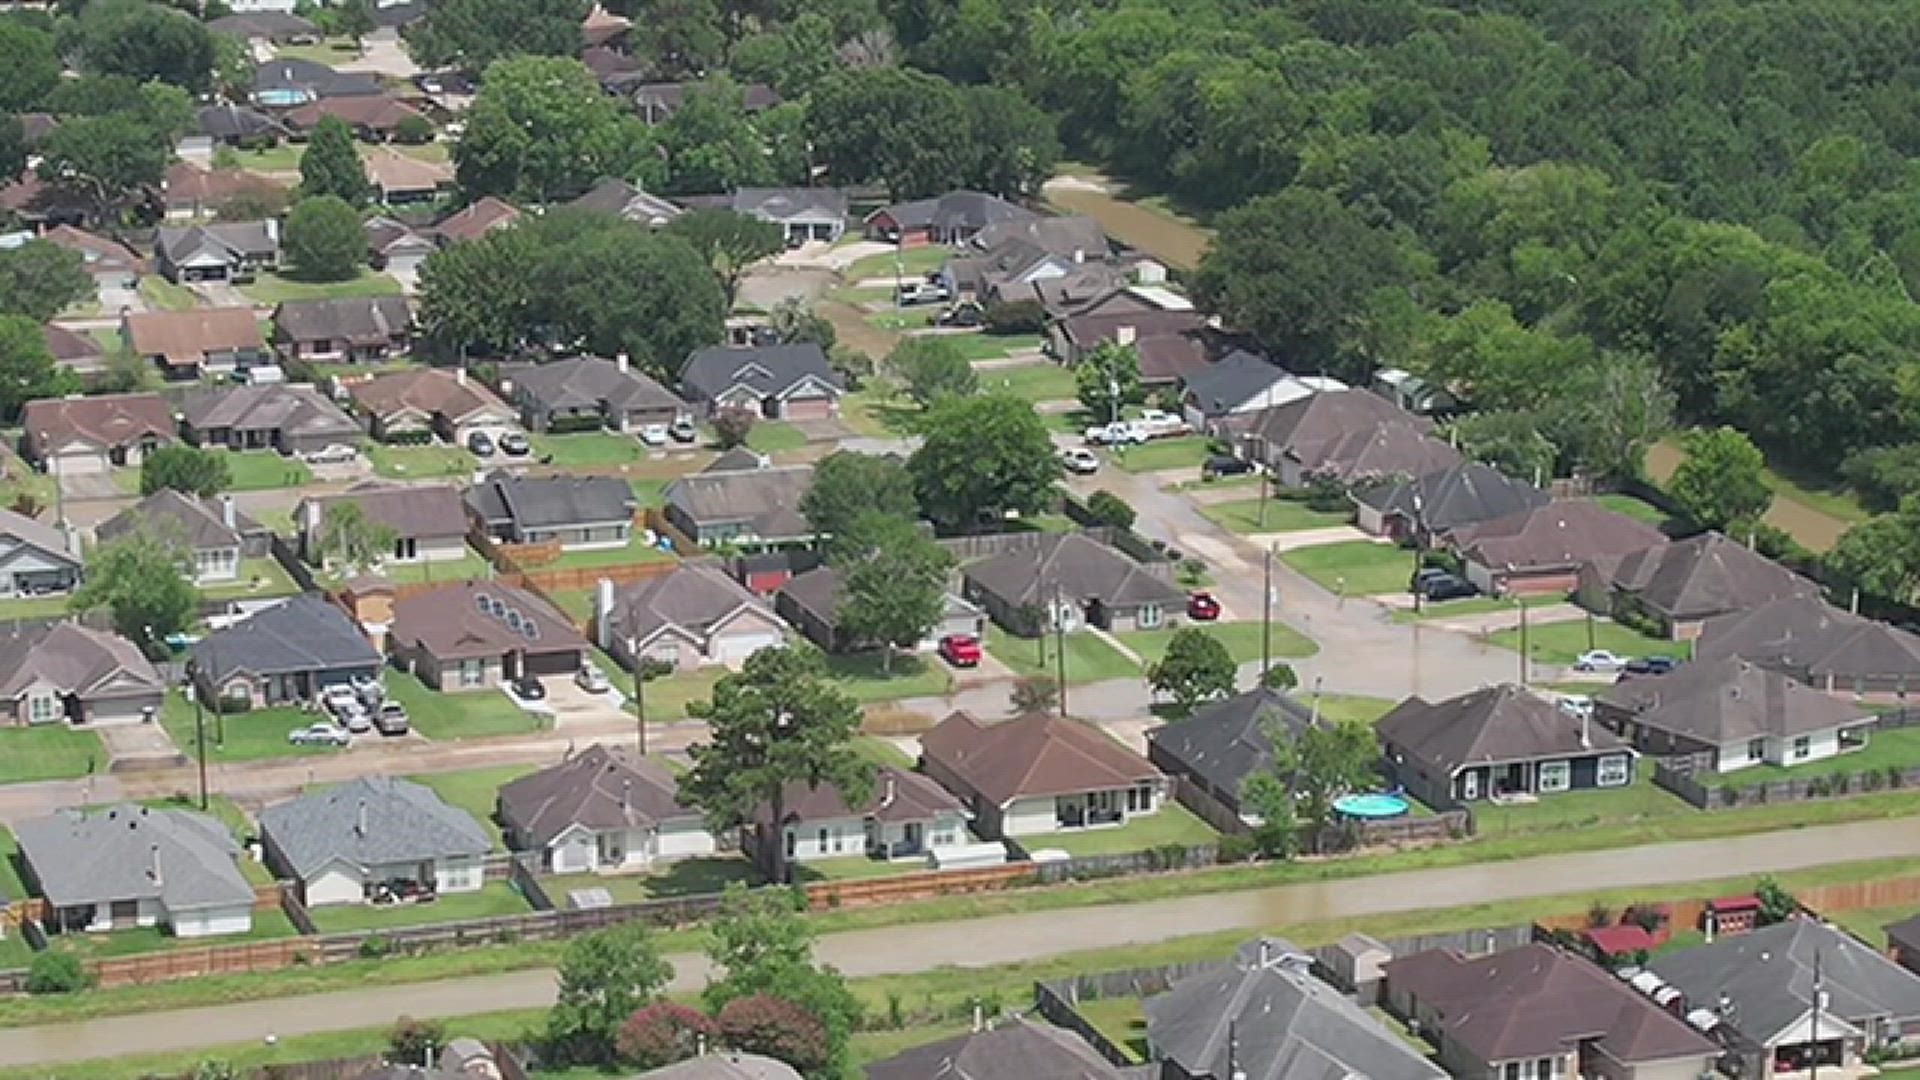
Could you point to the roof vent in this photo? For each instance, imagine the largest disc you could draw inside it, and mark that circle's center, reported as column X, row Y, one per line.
column 482, row 601
column 530, row 631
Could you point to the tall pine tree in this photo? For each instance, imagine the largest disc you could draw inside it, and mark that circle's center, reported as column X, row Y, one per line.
column 331, row 166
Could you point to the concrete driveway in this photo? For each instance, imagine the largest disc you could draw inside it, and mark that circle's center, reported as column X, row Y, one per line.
column 219, row 294
column 576, row 711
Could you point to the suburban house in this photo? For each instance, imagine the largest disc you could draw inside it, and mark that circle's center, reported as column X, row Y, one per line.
column 1730, row 714
column 67, row 673
column 286, row 81
column 1016, row 1047
column 623, row 200
column 656, row 101
column 953, row 218
column 355, row 330
column 1903, row 942
column 601, row 810
column 1679, row 586
column 1013, row 269
column 197, row 342
column 342, row 843
column 1171, row 344
column 1344, row 435
column 811, row 602
column 1456, row 497
column 805, row 214
column 79, row 354
column 587, row 393
column 1244, row 382
column 373, row 117
column 82, row 435
column 1499, row 741
column 477, row 635
column 475, row 220
column 130, row 866
column 1537, row 1013
column 580, row 513
column 1070, row 581
column 429, row 524
column 692, row 616
column 191, row 193
column 905, row 816
column 35, row 559
column 1222, row 743
column 398, row 179
column 741, row 505
column 1818, row 644
column 1039, row 774
column 1761, row 987
column 724, row 1065
column 216, row 536
column 292, row 419
column 275, row 27
column 1539, row 550
column 110, row 263
column 786, row 382
column 417, row 405
column 232, row 125
column 226, row 251
column 1264, row 1015
column 396, row 247
column 283, row 655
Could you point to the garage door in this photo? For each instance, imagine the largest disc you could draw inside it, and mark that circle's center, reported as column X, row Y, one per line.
column 80, row 464
column 807, row 408
column 735, row 648
column 117, row 711
column 564, row 662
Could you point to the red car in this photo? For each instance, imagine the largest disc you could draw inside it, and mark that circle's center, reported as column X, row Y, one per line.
column 960, row 650
column 1202, row 607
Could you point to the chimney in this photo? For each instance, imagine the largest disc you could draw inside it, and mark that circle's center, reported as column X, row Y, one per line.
column 460, row 375
column 621, row 361
column 626, row 795
column 228, row 516
column 1264, row 948
column 310, row 515
column 153, row 871
column 1586, row 738
column 360, row 827
column 979, row 1017
column 603, row 613
column 1079, row 256
column 273, row 229
column 1125, row 335
column 891, row 790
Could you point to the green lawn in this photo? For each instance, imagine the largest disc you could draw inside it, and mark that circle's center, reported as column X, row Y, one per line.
column 1174, row 824
column 254, row 735
column 1042, row 380
column 160, row 293
column 1089, row 659
column 881, row 752
column 494, row 898
column 1354, row 567
column 1894, row 748
column 466, row 568
column 912, row 264
column 682, row 877
column 470, row 714
column 853, row 868
column 775, row 436
column 1349, row 708
column 1242, row 640
column 1642, row 803
column 635, row 550
column 268, row 924
column 649, row 490
column 280, row 157
column 668, row 697
column 993, row 346
column 261, row 576
column 36, row 607
column 474, row 790
column 1638, row 509
column 259, row 470
column 1561, row 643
column 1281, row 515
column 1474, row 605
column 913, row 318
column 1123, row 1020
column 330, row 51
column 1869, row 924
column 588, row 449
column 271, row 288
column 1187, row 451
column 912, row 675
column 575, row 602
column 410, row 462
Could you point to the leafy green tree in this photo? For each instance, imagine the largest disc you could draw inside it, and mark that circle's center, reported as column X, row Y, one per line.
column 354, row 19
column 1197, row 667
column 414, row 1042
column 1034, row 694
column 331, row 166
column 982, row 458
column 13, row 146
column 1107, row 380
column 1110, row 509
column 1311, row 769
column 888, row 126
column 604, row 977
column 1510, row 442
column 1777, row 905
column 542, row 130
column 795, row 322
column 1608, row 414
column 932, row 369
column 1494, row 361
column 777, row 721
column 681, row 37
column 144, row 41
column 40, row 280
column 1881, row 556
column 186, row 469
column 848, row 486
column 472, row 34
column 710, row 144
column 731, row 426
column 792, row 57
column 136, row 578
column 1883, row 475
column 27, row 369
column 1014, row 143
column 324, row 240
column 893, row 583
column 1723, row 478
column 33, row 67
column 349, row 538
column 1279, row 677
column 764, row 946
column 56, row 971
column 104, row 160
column 730, row 242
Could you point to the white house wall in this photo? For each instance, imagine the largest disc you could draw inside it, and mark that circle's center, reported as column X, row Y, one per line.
column 335, row 885
column 842, row 836
column 573, row 853
column 682, row 840
column 1779, row 751
column 1027, row 817
column 458, row 875
column 208, row 922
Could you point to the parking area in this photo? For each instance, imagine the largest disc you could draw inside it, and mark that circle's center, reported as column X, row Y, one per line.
column 575, row 709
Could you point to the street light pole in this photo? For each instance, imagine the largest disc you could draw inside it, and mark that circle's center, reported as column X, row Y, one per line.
column 1060, row 645
column 1266, row 615
column 1413, row 583
column 640, row 704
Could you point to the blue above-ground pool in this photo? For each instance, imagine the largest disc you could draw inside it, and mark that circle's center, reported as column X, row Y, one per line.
column 1373, row 805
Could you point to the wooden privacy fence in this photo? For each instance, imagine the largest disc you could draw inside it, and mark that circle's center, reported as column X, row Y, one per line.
column 1793, row 789
column 901, row 888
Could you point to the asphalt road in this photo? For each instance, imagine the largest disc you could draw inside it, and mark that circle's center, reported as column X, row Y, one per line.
column 1001, row 939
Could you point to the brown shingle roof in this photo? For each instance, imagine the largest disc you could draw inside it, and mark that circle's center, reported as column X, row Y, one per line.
column 1726, row 701
column 109, row 421
column 430, row 390
column 599, row 788
column 1499, row 723
column 375, row 112
column 390, row 170
column 695, row 600
column 1705, row 575
column 1567, row 533
column 187, row 185
column 357, row 320
column 418, row 512
column 897, row 795
column 1812, row 639
column 477, row 219
column 448, row 622
column 1307, row 428
column 183, row 338
column 100, row 252
column 1033, row 755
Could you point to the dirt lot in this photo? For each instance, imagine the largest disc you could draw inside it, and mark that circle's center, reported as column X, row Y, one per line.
column 1175, row 242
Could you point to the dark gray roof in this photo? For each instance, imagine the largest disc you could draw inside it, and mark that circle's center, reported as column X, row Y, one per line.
column 404, row 823
column 79, row 660
column 319, row 80
column 361, row 320
column 305, row 633
column 616, row 196
column 600, row 789
column 817, row 591
column 198, row 523
column 1070, row 238
column 107, row 855
column 1223, row 742
column 545, row 501
column 1562, row 533
column 896, row 795
column 293, row 409
column 238, row 122
column 1017, row 1049
column 227, row 239
column 955, row 210
column 1768, row 976
column 1729, row 701
column 783, row 204
column 1705, row 575
column 1466, row 494
column 766, row 501
column 1274, row 1021
column 726, row 1065
column 1810, row 638
column 419, row 512
column 1499, row 723
column 692, row 599
column 589, row 382
column 1082, row 568
column 1232, row 381
column 768, row 370
column 1307, row 429
column 278, row 25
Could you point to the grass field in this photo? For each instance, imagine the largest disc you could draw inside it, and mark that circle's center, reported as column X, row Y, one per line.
column 471, row 714
column 1042, row 380
column 1639, row 509
column 494, row 898
column 1282, row 515
column 49, row 752
column 588, row 449
column 910, row 263
column 268, row 924
column 261, row 576
column 270, row 288
column 994, row 346
column 412, row 462
column 1354, row 567
column 34, row 607
column 1174, row 824
column 912, row 675
column 254, row 735
column 775, row 436
column 1892, row 748
column 1242, row 640
column 667, row 698
column 465, row 568
column 1350, row 708
column 635, row 550
column 682, row 877
column 260, row 470
column 1088, row 658
column 1642, row 803
column 1187, row 451
column 160, row 293
column 1473, row 605
column 1562, row 643
column 474, row 790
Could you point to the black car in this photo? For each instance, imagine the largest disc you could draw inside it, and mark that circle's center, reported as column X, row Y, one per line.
column 1651, row 665
column 529, row 688
column 479, row 444
column 1445, row 586
column 1225, row 465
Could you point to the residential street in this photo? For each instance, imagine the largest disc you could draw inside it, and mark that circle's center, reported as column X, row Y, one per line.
column 1000, row 939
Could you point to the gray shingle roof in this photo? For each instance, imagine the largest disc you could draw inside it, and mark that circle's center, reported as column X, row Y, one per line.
column 896, row 796
column 303, row 634
column 616, row 196
column 768, row 370
column 228, row 239
column 262, row 24
column 1812, row 639
column 693, row 599
column 404, row 821
column 727, row 1065
column 448, row 623
column 238, row 122
column 1286, row 1025
column 1066, row 237
column 817, row 591
column 1567, row 532
column 1466, row 494
column 1730, row 700
column 766, row 501
column 1224, row 742
column 534, row 502
column 1017, row 1049
column 198, row 523
column 1082, row 568
column 106, row 855
column 419, row 512
column 48, row 539
column 589, row 382
column 1499, row 723
column 319, row 80
column 599, row 788
column 782, row 204
column 956, row 210
column 78, row 660
column 291, row 409
column 360, row 320
column 1232, row 381
column 1705, row 575
column 1768, row 975
column 1307, row 428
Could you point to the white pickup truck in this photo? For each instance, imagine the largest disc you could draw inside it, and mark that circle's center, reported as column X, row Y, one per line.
column 1149, row 425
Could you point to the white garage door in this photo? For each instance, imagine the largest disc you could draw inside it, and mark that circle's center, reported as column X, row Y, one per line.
column 117, row 711
column 735, row 648
column 79, row 463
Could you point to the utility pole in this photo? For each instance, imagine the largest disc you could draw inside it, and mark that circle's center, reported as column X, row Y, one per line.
column 1060, row 645
column 1266, row 615
column 199, row 735
column 1523, row 645
column 1813, row 1021
column 640, row 704
column 1413, row 583
column 1260, row 467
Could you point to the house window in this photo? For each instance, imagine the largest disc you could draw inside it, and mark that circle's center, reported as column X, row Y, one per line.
column 1555, row 776
column 1543, row 1069
column 1756, row 749
column 1511, row 1071
column 42, row 708
column 822, row 841
column 1802, row 746
column 405, row 548
column 1139, row 798
column 1613, row 771
column 1149, row 616
column 472, row 672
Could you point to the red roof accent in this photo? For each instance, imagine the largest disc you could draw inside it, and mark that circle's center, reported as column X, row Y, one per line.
column 1734, row 903
column 1615, row 940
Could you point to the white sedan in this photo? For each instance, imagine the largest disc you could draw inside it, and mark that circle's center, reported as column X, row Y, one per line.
column 319, row 735
column 1599, row 660
column 1079, row 459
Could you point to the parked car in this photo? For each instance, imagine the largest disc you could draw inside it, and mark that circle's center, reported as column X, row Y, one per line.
column 1219, row 465
column 961, row 650
column 654, row 434
column 357, row 719
column 367, row 689
column 1599, row 660
column 529, row 688
column 1651, row 665
column 1202, row 607
column 339, row 697
column 588, row 678
column 1079, row 459
column 1159, row 424
column 322, row 734
column 683, row 429
column 514, row 444
column 1445, row 586
column 391, row 718
column 1118, row 433
column 1576, row 705
column 922, row 292
column 337, row 454
column 966, row 313
column 479, row 444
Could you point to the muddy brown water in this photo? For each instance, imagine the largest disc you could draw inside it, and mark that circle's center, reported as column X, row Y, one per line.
column 1816, row 530
column 1177, row 243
